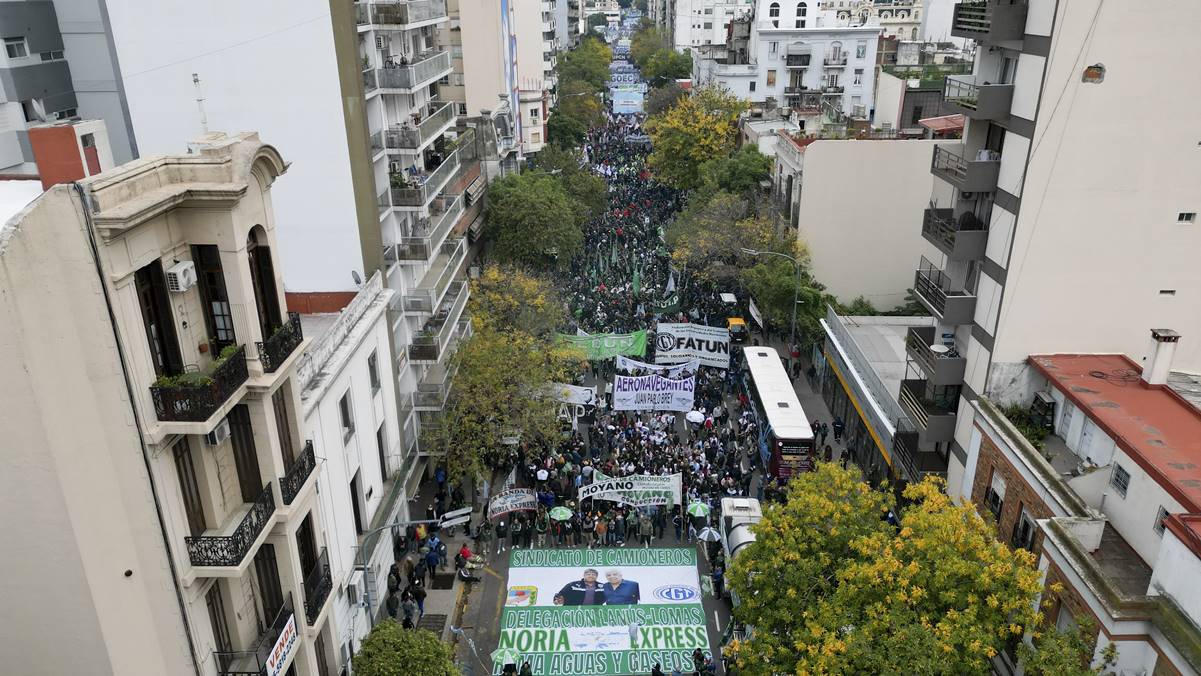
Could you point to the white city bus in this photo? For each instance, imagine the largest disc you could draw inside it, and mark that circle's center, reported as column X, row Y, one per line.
column 786, row 443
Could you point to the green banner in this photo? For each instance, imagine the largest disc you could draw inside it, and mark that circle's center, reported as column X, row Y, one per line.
column 668, row 305
column 608, row 345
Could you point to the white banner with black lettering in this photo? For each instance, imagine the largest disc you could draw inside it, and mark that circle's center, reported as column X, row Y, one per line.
column 653, row 393
column 686, row 369
column 639, row 490
column 513, row 500
column 677, row 343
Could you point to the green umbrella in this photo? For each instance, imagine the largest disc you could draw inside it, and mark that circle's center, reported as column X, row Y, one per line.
column 560, row 514
column 698, row 509
column 504, row 656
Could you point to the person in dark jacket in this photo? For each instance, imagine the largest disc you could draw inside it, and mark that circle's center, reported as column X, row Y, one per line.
column 585, row 592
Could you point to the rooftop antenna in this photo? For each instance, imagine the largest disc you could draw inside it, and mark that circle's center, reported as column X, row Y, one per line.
column 204, row 120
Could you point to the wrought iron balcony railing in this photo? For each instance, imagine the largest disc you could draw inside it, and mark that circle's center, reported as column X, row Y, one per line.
column 195, row 397
column 253, row 662
column 317, row 585
column 231, row 550
column 274, row 351
column 293, row 480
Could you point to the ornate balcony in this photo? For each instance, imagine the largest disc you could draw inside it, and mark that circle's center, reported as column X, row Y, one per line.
column 195, row 396
column 963, row 238
column 835, row 61
column 274, row 351
column 230, row 550
column 317, row 585
column 989, row 21
column 293, row 480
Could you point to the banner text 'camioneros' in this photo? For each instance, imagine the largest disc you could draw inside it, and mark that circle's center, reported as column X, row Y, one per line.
column 640, row 490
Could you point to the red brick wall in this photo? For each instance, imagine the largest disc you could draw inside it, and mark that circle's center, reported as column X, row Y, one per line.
column 318, row 302
column 1018, row 493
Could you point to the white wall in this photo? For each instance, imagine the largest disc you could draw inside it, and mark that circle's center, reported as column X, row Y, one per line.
column 890, row 95
column 265, row 66
column 1097, row 230
column 1176, row 573
column 1134, row 516
column 860, row 215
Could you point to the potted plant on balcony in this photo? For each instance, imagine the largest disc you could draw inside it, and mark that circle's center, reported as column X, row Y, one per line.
column 198, row 378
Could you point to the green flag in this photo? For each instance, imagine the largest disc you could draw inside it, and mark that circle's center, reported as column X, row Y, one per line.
column 637, row 281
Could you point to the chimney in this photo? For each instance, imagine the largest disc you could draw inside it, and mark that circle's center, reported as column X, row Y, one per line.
column 1163, row 346
column 67, row 151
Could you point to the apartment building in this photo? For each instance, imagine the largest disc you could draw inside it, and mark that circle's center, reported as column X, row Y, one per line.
column 780, row 54
column 908, row 94
column 693, row 23
column 901, row 19
column 858, row 247
column 173, row 527
column 348, row 410
column 1107, row 498
column 1037, row 221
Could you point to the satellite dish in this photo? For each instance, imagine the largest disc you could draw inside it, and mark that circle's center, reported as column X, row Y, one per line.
column 354, row 274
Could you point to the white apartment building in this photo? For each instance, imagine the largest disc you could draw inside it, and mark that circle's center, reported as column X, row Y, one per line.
column 781, row 55
column 1040, row 216
column 173, row 526
column 703, row 22
column 900, row 19
column 347, row 409
column 858, row 232
column 1109, row 500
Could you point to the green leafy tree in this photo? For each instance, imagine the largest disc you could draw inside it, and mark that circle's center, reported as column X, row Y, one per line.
column 510, row 299
column 1067, row 653
column 586, row 188
column 663, row 97
column 859, row 307
column 597, row 20
column 390, row 650
column 667, row 65
column 740, row 173
column 708, row 236
column 565, row 131
column 695, row 130
column 647, row 40
column 772, row 282
column 832, row 588
column 533, row 220
column 497, row 392
column 580, row 100
column 588, row 62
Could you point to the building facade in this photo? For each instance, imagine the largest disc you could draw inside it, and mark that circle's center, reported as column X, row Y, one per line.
column 188, row 481
column 693, row 23
column 782, row 55
column 900, row 19
column 1106, row 499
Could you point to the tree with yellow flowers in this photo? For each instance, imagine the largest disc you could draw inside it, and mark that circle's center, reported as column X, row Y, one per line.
column 830, row 587
column 695, row 130
column 510, row 299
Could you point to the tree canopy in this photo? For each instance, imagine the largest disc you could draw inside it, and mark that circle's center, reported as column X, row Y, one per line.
column 586, row 188
column 533, row 220
column 647, row 40
column 690, row 133
column 667, row 65
column 588, row 62
column 709, row 234
column 740, row 173
column 580, row 100
column 663, row 97
column 509, row 299
column 390, row 650
column 831, row 587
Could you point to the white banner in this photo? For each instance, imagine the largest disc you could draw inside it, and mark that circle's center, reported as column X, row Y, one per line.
column 687, row 368
column 514, row 500
column 676, row 343
column 755, row 314
column 653, row 393
column 640, row 490
column 573, row 394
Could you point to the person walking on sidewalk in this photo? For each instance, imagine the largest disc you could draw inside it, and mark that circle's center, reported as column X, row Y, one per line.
column 417, row 592
column 838, row 429
column 502, row 532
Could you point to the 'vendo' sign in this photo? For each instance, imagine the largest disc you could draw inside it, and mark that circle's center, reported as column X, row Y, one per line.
column 676, row 343
column 603, row 612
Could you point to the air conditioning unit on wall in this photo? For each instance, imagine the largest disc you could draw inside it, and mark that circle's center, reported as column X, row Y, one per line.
column 181, row 277
column 219, row 435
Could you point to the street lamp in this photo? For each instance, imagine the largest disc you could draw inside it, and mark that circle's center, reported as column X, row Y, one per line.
column 796, row 287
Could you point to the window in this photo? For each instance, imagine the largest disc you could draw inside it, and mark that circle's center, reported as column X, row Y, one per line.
column 773, row 11
column 51, row 56
column 1160, row 518
column 356, row 497
column 346, row 414
column 917, row 115
column 1023, row 532
column 536, row 137
column 189, row 490
column 1120, row 479
column 216, row 608
column 752, row 85
column 462, row 108
column 861, row 50
column 535, row 112
column 801, row 11
column 994, row 496
column 373, row 371
column 1182, row 217
column 381, row 447
column 771, row 78
column 151, row 288
column 15, row 47
column 283, row 425
column 218, row 315
column 708, row 25
column 773, row 48
column 858, row 76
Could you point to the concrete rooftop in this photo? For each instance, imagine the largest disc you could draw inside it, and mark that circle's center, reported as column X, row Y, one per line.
column 882, row 341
